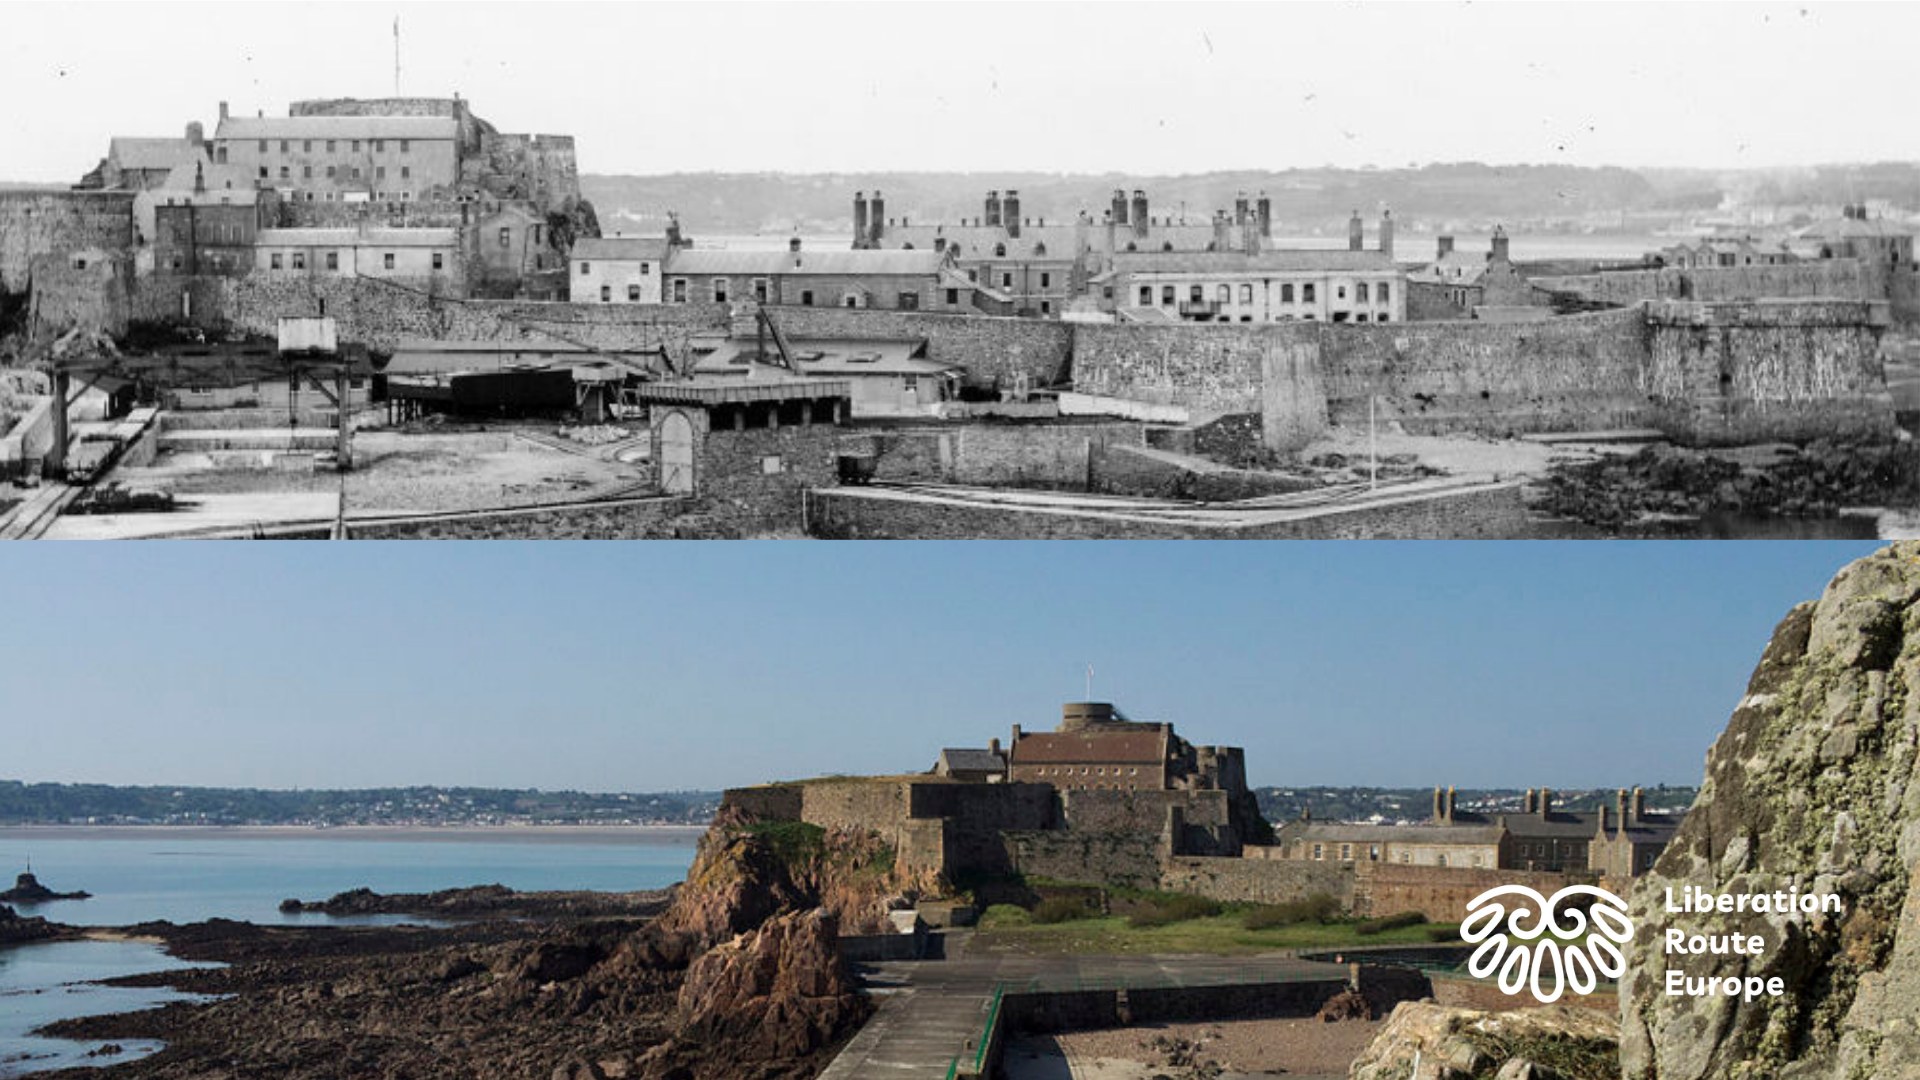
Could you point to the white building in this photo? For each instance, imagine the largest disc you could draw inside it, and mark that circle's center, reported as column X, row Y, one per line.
column 432, row 255
column 1267, row 287
column 616, row 270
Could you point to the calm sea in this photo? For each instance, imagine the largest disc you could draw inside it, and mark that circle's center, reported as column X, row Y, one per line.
column 187, row 877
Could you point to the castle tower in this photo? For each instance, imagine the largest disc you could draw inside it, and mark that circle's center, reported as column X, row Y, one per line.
column 859, row 219
column 1012, row 218
column 1356, row 233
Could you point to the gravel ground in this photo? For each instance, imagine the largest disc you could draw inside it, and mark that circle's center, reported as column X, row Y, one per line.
column 1303, row 1048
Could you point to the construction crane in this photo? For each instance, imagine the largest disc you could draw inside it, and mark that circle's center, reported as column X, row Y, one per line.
column 764, row 328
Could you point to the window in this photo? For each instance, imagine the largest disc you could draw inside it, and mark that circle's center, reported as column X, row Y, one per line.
column 1166, row 295
column 333, row 260
column 379, row 172
column 679, row 290
column 406, row 172
column 506, row 236
column 1319, row 852
column 806, row 298
column 331, row 170
column 406, row 145
column 1373, row 852
column 1006, row 281
column 760, row 289
column 1381, row 294
column 273, row 261
column 439, row 261
column 356, row 172
column 646, row 269
column 379, row 145
column 1046, row 307
column 719, row 290
column 953, row 297
column 283, row 146
column 1346, row 852
column 633, row 294
column 306, row 172
column 1339, row 292
column 331, row 145
column 306, row 146
column 263, row 146
column 909, row 301
column 220, row 155
column 1146, row 296
column 263, row 172
column 1441, row 861
column 299, row 260
column 1000, row 251
column 386, row 260
column 1306, row 293
column 1246, row 294
column 1223, row 293
column 606, row 293
column 1046, row 280
column 1286, row 294
column 1360, row 293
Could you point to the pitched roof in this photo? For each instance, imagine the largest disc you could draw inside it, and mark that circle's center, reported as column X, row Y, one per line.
column 1453, row 268
column 1106, row 747
column 228, row 181
column 141, row 153
column 973, row 760
column 879, row 263
column 815, row 356
column 338, row 127
column 1274, row 261
column 1364, row 833
column 617, row 248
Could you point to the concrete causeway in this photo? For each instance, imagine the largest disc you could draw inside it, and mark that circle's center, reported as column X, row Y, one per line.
column 929, row 1010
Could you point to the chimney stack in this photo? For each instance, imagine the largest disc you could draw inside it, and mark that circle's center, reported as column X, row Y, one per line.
column 1141, row 221
column 1546, row 801
column 1444, row 248
column 223, row 111
column 877, row 217
column 993, row 745
column 1621, row 804
column 993, row 209
column 1439, row 806
column 1356, row 233
column 860, row 219
column 1012, row 211
column 1526, row 806
column 1450, row 805
column 793, row 244
column 1241, row 211
column 1639, row 805
column 1265, row 215
column 1118, row 215
column 1386, row 233
column 1499, row 252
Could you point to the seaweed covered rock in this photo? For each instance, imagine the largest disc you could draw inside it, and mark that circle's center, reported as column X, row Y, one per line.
column 1810, row 790
column 1562, row 1042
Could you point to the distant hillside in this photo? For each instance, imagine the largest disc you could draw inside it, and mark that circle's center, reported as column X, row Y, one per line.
column 108, row 804
column 1305, row 201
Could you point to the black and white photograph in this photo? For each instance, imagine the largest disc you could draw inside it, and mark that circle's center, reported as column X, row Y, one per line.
column 1561, row 359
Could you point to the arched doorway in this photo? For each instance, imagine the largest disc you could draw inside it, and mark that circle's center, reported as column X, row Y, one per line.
column 676, row 454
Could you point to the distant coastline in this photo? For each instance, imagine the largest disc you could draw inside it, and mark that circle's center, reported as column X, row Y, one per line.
column 493, row 834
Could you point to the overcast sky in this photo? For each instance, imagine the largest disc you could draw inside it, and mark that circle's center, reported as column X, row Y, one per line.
column 1071, row 87
column 651, row 666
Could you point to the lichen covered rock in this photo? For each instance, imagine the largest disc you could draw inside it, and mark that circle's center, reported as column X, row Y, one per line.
column 1810, row 789
column 1564, row 1042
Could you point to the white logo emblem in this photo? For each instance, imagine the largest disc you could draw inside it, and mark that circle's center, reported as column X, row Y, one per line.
column 1579, row 955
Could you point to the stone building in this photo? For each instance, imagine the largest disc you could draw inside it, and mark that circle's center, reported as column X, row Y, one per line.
column 883, row 280
column 139, row 164
column 1041, row 267
column 1458, row 284
column 1468, row 846
column 987, row 766
column 343, row 158
column 1628, row 841
column 1855, row 235
column 432, row 259
column 205, row 219
column 617, row 270
column 1096, row 748
column 1725, row 252
column 1266, row 287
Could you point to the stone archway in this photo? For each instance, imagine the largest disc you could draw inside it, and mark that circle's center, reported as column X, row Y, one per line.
column 676, row 454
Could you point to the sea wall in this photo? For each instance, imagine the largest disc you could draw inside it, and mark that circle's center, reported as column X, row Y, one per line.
column 1758, row 371
column 1043, row 455
column 1836, row 279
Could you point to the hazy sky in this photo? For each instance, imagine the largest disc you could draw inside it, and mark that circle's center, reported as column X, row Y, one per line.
column 653, row 666
column 1070, row 87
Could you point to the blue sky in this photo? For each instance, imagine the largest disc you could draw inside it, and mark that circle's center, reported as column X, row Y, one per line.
column 651, row 666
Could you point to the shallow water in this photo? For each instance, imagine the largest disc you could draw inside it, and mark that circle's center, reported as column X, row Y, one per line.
column 51, row 981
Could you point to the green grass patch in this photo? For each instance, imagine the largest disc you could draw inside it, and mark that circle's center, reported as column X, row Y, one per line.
column 1000, row 916
column 1391, row 922
column 1224, row 934
column 1176, row 908
column 1059, row 909
column 1576, row 1059
column 1318, row 908
column 793, row 842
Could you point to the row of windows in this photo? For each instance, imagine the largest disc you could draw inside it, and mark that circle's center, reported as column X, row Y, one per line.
column 722, row 293
column 333, row 145
column 1006, row 277
column 646, row 269
column 1097, row 770
column 333, row 173
column 297, row 260
column 1373, row 855
column 1381, row 292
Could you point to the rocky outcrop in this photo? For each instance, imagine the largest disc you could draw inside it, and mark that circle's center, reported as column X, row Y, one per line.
column 479, row 900
column 16, row 929
column 1810, row 789
column 28, row 890
column 1554, row 1042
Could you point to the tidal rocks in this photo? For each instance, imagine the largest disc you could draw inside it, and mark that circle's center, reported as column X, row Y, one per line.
column 28, row 890
column 1553, row 1042
column 16, row 929
column 777, row 993
column 1810, row 788
column 484, row 900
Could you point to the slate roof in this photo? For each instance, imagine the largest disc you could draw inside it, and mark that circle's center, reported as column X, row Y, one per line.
column 1075, row 748
column 1354, row 832
column 423, row 128
column 141, row 153
column 720, row 262
column 967, row 759
column 1273, row 261
column 1454, row 268
column 358, row 238
column 619, row 248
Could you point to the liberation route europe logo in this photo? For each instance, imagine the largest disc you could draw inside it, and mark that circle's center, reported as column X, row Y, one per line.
column 1579, row 946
